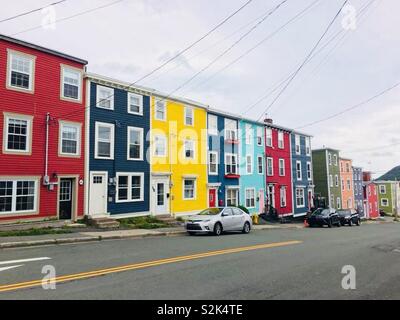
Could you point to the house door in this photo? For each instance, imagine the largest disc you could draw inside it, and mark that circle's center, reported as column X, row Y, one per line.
column 212, row 198
column 98, row 194
column 271, row 195
column 65, row 199
column 261, row 201
column 160, row 192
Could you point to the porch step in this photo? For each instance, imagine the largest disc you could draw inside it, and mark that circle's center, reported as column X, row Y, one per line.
column 104, row 223
column 169, row 220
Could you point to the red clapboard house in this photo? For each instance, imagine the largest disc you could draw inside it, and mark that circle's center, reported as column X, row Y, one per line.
column 278, row 169
column 42, row 117
column 371, row 207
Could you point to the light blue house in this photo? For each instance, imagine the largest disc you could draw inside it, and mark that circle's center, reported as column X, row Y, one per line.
column 252, row 166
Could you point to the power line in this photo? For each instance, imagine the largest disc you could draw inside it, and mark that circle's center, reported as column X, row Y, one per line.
column 305, row 60
column 31, row 11
column 71, row 17
column 358, row 105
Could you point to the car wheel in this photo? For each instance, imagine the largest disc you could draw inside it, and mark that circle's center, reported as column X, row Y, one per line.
column 217, row 229
column 246, row 228
column 342, row 224
column 358, row 222
column 330, row 223
column 339, row 224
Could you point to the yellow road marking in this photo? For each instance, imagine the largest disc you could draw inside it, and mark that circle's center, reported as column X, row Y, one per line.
column 142, row 265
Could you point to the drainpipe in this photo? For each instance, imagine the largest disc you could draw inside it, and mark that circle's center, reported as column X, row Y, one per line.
column 46, row 180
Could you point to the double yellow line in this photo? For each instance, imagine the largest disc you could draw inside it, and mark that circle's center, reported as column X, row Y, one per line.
column 102, row 272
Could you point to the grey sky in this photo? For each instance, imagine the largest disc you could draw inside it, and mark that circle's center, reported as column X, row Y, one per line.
column 129, row 39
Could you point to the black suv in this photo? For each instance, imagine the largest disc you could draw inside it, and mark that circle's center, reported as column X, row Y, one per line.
column 350, row 217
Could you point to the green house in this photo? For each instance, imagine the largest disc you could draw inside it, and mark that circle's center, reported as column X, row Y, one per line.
column 388, row 195
column 327, row 178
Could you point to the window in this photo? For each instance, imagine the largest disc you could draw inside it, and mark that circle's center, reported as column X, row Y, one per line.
column 189, row 116
column 338, row 203
column 105, row 98
column 231, row 164
column 160, row 146
column 135, row 143
column 20, row 71
column 213, row 163
column 283, row 197
column 270, row 167
column 297, row 140
column 335, row 160
column 250, row 198
column 161, row 110
column 300, row 201
column 348, row 185
column 189, row 149
column 331, row 180
column 281, row 167
column 341, row 167
column 17, row 134
column 347, row 167
column 269, row 137
column 71, row 83
column 212, row 125
column 309, row 171
column 259, row 136
column 343, row 186
column 104, row 137
column 382, row 189
column 249, row 164
column 231, row 197
column 299, row 174
column 384, row 202
column 330, row 159
column 308, row 146
column 189, row 189
column 281, row 142
column 70, row 136
column 130, row 187
column 260, row 163
column 135, row 104
column 18, row 196
column 249, row 134
column 336, row 181
column 230, row 129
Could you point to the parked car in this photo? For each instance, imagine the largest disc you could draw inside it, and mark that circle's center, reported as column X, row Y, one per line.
column 350, row 217
column 218, row 220
column 321, row 217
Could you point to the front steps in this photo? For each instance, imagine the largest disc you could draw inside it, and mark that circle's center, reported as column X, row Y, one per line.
column 168, row 219
column 103, row 223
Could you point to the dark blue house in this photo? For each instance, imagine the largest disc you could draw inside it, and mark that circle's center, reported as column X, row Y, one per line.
column 358, row 190
column 302, row 173
column 223, row 160
column 117, row 170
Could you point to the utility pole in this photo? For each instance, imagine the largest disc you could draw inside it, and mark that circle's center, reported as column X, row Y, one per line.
column 396, row 211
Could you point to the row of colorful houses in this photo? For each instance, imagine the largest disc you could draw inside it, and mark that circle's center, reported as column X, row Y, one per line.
column 76, row 144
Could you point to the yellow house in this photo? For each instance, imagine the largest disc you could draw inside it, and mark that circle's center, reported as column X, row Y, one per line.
column 178, row 156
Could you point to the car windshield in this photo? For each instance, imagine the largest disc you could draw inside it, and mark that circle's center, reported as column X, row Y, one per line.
column 210, row 212
column 321, row 212
column 343, row 212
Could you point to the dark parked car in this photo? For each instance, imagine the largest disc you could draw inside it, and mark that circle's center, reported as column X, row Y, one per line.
column 349, row 217
column 322, row 217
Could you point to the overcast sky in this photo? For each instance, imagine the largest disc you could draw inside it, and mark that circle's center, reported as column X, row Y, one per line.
column 130, row 38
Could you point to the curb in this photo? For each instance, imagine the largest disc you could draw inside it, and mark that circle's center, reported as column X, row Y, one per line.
column 22, row 244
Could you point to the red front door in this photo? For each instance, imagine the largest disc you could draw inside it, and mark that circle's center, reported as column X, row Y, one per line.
column 212, row 195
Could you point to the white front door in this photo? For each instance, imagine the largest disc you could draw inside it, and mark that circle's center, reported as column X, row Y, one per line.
column 271, row 195
column 160, row 196
column 98, row 194
column 261, row 202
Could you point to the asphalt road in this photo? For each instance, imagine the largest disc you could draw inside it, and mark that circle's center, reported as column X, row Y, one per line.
column 309, row 268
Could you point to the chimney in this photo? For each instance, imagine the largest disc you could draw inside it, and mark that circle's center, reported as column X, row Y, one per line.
column 268, row 120
column 367, row 177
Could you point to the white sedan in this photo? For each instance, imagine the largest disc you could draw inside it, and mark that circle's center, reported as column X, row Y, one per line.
column 218, row 220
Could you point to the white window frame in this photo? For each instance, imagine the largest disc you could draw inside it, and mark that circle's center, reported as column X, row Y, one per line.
column 233, row 192
column 387, row 202
column 187, row 109
column 32, row 66
column 130, row 175
column 140, row 97
column 259, row 136
column 141, row 131
column 271, row 160
column 96, row 139
column 211, row 130
column 249, row 134
column 252, row 200
column 335, row 160
column 382, row 187
column 309, row 171
column 193, row 148
column 298, row 197
column 330, row 159
column 336, row 180
column 231, row 131
column 231, row 156
column 77, row 126
column 281, row 140
column 79, row 73
column 338, row 203
column 164, row 139
column 282, row 168
column 29, row 120
column 348, row 183
column 299, row 173
column 211, row 173
column 110, row 95
column 164, row 105
column 249, row 156
column 283, row 197
column 331, row 181
column 297, row 144
column 15, row 181
column 308, row 146
column 194, row 189
column 262, row 165
column 269, row 138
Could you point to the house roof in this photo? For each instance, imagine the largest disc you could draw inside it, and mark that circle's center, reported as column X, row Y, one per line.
column 43, row 49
